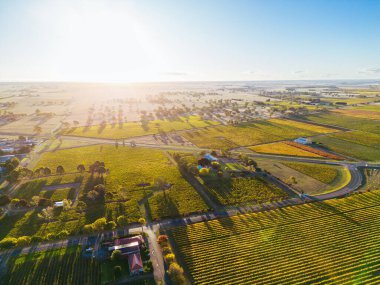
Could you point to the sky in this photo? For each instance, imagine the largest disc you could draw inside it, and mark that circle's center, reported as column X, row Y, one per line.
column 188, row 40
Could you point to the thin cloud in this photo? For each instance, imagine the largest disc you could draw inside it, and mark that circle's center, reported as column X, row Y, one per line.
column 174, row 73
column 370, row 70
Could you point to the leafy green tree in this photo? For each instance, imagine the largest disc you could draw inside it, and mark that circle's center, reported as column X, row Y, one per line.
column 142, row 221
column 122, row 221
column 47, row 214
column 60, row 170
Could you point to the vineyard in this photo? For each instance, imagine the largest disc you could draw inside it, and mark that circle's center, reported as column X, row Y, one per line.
column 306, row 126
column 367, row 114
column 61, row 266
column 323, row 173
column 134, row 129
column 229, row 191
column 319, row 152
column 259, row 132
column 283, row 148
column 358, row 137
column 332, row 242
column 349, row 148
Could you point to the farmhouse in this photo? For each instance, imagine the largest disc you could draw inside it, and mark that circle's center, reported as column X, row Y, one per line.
column 130, row 249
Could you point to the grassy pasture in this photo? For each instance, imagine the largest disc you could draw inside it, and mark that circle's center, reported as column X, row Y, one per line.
column 134, row 129
column 331, row 242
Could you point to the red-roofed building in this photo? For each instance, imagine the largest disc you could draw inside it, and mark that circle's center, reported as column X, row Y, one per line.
column 121, row 241
column 135, row 264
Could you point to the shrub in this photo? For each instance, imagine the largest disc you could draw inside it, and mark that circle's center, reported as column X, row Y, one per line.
column 116, row 255
column 162, row 239
column 23, row 241
column 8, row 242
column 50, row 236
column 176, row 273
column 169, row 258
column 122, row 221
column 110, row 225
column 62, row 234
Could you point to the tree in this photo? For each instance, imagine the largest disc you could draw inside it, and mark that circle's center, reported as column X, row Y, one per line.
column 122, row 221
column 23, row 241
column 169, row 258
column 37, row 130
column 36, row 200
column 116, row 255
column 81, row 168
column 67, row 204
column 47, row 171
column 60, row 170
column 99, row 224
column 176, row 273
column 47, row 214
column 92, row 195
column 142, row 221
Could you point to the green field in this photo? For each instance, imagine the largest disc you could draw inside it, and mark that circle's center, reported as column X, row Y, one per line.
column 332, row 242
column 324, row 173
column 232, row 191
column 245, row 135
column 60, row 266
column 359, row 137
column 348, row 122
column 348, row 148
column 135, row 129
column 128, row 167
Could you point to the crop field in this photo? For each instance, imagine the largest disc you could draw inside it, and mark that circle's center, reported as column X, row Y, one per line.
column 129, row 167
column 323, row 173
column 349, row 148
column 35, row 187
column 305, row 126
column 372, row 179
column 135, row 129
column 332, row 118
column 282, row 148
column 231, row 191
column 359, row 137
column 352, row 101
column 244, row 135
column 331, row 242
column 367, row 114
column 59, row 266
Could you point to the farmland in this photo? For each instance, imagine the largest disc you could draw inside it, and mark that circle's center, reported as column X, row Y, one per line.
column 231, row 191
column 349, row 148
column 359, row 137
column 283, row 148
column 331, row 242
column 60, row 266
column 249, row 134
column 344, row 121
column 324, row 173
column 360, row 113
column 134, row 129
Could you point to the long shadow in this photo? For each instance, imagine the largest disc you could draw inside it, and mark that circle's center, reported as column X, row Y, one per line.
column 324, row 206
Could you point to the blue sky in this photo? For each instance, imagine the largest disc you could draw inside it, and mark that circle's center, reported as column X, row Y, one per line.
column 123, row 41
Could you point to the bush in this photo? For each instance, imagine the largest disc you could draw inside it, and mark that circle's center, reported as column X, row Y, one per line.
column 62, row 234
column 110, row 225
column 162, row 239
column 176, row 273
column 88, row 228
column 50, row 236
column 8, row 243
column 116, row 255
column 23, row 241
column 122, row 221
column 169, row 258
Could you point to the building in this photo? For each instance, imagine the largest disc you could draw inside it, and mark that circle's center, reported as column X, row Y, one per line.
column 302, row 140
column 130, row 249
column 135, row 264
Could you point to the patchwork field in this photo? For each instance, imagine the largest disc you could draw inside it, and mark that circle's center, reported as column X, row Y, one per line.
column 332, row 242
column 249, row 134
column 134, row 129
